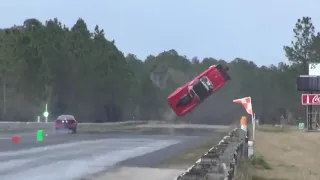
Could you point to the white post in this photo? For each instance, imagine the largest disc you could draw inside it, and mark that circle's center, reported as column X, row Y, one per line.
column 46, row 111
column 251, row 143
column 253, row 126
column 38, row 120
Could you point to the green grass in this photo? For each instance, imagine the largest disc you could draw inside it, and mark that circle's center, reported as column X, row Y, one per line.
column 259, row 162
column 246, row 170
column 272, row 129
column 263, row 178
column 12, row 131
column 112, row 128
column 120, row 128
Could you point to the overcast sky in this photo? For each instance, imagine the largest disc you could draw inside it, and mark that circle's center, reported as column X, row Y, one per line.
column 250, row 29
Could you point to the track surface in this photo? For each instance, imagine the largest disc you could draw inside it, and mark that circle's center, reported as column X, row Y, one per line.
column 67, row 156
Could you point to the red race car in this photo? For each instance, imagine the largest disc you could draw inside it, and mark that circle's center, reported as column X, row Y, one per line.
column 187, row 97
column 66, row 122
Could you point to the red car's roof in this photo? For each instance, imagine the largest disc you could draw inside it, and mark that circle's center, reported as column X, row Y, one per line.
column 63, row 117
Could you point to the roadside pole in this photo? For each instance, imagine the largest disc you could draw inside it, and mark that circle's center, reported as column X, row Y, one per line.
column 46, row 113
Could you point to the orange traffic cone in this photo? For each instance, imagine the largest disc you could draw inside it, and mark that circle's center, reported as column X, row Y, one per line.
column 243, row 123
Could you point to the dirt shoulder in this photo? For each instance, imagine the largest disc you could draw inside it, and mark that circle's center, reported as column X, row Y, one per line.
column 138, row 173
column 289, row 154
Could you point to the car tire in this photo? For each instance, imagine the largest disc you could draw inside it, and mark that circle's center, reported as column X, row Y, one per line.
column 74, row 130
column 226, row 68
column 228, row 78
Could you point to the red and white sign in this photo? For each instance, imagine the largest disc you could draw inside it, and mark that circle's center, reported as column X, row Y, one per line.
column 314, row 69
column 310, row 99
column 246, row 103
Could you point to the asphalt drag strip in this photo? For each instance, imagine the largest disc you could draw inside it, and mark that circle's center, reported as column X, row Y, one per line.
column 74, row 156
column 74, row 160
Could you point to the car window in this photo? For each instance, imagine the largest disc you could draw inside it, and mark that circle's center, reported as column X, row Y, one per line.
column 63, row 117
column 206, row 82
column 192, row 93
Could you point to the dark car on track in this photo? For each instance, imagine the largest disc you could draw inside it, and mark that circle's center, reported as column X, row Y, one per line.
column 190, row 95
column 66, row 122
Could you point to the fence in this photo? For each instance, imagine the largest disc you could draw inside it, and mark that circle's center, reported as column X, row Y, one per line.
column 221, row 161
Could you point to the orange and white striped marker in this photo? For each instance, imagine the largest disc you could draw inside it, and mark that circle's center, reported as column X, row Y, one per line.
column 246, row 103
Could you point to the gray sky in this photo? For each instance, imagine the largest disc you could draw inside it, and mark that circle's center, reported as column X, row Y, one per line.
column 250, row 29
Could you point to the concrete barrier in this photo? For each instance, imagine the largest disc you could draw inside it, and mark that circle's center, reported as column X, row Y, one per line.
column 221, row 161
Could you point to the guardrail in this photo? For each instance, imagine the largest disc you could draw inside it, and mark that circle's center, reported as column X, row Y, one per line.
column 221, row 161
column 49, row 125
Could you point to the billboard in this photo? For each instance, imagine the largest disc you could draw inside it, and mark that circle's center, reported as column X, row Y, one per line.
column 314, row 69
column 310, row 99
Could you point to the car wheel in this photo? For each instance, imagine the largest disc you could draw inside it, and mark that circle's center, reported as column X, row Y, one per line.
column 228, row 78
column 74, row 130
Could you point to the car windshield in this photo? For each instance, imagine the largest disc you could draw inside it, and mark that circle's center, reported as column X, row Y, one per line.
column 65, row 117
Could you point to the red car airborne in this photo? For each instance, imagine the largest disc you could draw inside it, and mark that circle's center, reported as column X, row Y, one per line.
column 187, row 97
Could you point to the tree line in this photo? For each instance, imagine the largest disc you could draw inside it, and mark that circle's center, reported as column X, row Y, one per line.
column 79, row 72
